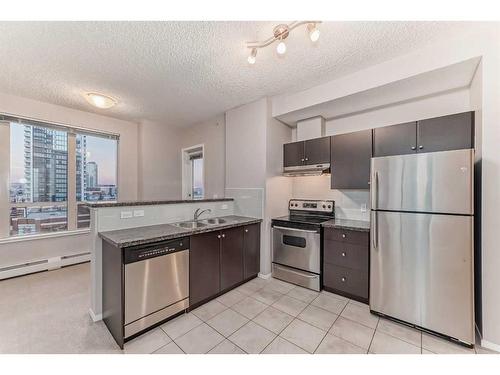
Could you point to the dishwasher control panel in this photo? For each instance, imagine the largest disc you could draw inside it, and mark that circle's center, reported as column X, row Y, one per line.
column 138, row 253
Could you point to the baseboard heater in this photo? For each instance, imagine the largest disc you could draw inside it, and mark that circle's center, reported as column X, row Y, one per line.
column 43, row 265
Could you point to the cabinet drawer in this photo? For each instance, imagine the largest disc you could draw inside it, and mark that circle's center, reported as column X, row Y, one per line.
column 347, row 280
column 350, row 236
column 346, row 254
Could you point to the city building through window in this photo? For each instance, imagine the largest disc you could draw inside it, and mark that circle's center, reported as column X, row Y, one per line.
column 40, row 197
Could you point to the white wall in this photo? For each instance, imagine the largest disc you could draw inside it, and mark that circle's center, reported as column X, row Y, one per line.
column 246, row 145
column 12, row 253
column 254, row 146
column 212, row 135
column 159, row 162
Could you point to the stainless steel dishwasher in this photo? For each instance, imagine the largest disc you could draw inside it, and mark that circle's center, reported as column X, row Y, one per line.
column 156, row 283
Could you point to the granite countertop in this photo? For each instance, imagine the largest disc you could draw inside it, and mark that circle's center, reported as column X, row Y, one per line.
column 357, row 225
column 154, row 233
column 151, row 203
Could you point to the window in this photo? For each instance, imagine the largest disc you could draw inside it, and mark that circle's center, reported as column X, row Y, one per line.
column 197, row 178
column 193, row 173
column 96, row 176
column 44, row 158
column 38, row 191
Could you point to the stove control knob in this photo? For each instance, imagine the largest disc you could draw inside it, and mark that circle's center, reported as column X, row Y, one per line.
column 329, row 206
column 324, row 206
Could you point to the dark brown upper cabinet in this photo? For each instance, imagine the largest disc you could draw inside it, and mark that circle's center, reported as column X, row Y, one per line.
column 293, row 154
column 445, row 133
column 395, row 139
column 452, row 132
column 204, row 267
column 251, row 244
column 231, row 257
column 317, row 151
column 312, row 151
column 350, row 160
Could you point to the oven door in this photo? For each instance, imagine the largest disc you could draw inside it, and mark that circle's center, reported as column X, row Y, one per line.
column 298, row 248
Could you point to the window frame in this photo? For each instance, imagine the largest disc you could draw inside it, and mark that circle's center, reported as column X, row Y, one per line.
column 71, row 201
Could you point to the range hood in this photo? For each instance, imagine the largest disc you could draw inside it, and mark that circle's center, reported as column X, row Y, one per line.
column 307, row 170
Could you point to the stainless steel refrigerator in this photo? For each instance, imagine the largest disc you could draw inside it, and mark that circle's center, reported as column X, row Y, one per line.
column 421, row 252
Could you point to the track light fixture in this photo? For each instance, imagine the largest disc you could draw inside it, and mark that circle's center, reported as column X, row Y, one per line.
column 280, row 33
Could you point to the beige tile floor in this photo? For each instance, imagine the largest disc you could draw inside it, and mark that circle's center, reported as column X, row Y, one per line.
column 48, row 313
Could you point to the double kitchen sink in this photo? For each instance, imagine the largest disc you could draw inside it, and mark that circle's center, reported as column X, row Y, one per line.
column 200, row 223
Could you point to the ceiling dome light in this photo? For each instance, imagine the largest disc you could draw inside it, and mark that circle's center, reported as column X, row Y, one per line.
column 281, row 48
column 313, row 32
column 100, row 100
column 252, row 58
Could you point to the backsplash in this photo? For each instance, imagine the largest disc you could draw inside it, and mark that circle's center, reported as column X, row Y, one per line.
column 348, row 203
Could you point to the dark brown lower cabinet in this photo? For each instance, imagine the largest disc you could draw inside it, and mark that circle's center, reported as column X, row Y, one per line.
column 347, row 281
column 221, row 260
column 231, row 257
column 204, row 267
column 346, row 263
column 251, row 244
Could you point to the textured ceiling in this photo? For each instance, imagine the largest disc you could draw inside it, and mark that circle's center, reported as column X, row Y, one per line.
column 180, row 73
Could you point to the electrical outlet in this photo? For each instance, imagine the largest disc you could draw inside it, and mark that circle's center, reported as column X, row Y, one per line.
column 126, row 214
column 138, row 213
column 363, row 207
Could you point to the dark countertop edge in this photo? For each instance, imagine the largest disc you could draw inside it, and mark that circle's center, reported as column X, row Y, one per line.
column 182, row 233
column 347, row 224
column 151, row 203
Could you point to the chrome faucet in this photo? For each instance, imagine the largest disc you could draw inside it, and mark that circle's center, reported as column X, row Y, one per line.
column 198, row 213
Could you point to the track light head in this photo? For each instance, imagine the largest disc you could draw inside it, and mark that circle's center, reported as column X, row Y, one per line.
column 313, row 32
column 252, row 57
column 281, row 48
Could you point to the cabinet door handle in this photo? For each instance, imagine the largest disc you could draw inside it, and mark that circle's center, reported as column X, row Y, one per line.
column 413, row 147
column 223, row 236
column 343, row 279
column 246, row 230
column 218, row 236
column 307, row 159
column 302, row 159
column 343, row 254
column 420, row 147
column 343, row 235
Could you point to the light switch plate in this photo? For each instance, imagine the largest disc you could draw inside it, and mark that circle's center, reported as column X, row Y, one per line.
column 138, row 213
column 126, row 214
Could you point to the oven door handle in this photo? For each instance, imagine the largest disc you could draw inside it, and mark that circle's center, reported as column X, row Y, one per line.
column 295, row 272
column 296, row 229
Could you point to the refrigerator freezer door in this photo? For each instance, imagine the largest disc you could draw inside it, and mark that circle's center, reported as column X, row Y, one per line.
column 437, row 182
column 422, row 270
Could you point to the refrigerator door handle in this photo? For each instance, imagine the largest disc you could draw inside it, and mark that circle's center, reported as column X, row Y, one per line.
column 375, row 193
column 375, row 230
